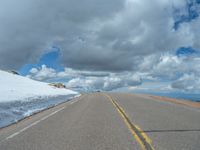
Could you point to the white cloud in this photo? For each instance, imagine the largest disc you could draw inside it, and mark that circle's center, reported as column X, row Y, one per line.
column 33, row 70
column 188, row 82
column 43, row 73
column 108, row 83
column 104, row 45
column 109, row 35
column 155, row 68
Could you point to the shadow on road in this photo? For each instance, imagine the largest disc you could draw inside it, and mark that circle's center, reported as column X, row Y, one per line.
column 188, row 130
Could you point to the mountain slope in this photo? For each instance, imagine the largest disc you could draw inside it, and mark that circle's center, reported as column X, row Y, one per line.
column 21, row 97
column 15, row 87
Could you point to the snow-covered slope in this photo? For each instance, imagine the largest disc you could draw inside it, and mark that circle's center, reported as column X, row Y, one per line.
column 21, row 97
column 15, row 87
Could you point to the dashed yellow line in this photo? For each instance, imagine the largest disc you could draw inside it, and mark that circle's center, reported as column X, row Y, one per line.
column 143, row 140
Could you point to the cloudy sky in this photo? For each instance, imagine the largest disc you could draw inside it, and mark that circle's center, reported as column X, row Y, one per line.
column 108, row 45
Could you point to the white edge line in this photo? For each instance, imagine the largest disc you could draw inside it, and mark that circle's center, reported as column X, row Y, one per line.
column 34, row 123
column 74, row 101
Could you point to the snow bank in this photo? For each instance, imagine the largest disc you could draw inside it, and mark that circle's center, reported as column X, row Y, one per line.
column 21, row 97
column 15, row 87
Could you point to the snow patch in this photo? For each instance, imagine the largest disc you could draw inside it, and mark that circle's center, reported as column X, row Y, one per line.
column 21, row 97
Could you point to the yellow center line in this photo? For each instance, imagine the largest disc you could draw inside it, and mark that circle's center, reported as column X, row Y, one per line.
column 143, row 140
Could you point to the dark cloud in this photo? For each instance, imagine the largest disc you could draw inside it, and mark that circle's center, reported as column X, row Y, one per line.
column 29, row 27
column 99, row 38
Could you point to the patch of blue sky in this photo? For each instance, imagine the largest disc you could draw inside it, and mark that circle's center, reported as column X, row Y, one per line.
column 186, row 51
column 51, row 59
column 189, row 16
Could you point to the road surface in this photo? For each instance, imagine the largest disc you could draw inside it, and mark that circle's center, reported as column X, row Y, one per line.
column 107, row 121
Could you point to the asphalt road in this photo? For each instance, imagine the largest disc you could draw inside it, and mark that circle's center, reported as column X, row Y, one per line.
column 112, row 121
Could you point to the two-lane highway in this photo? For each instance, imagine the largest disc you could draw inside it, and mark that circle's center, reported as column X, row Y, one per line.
column 112, row 121
column 169, row 125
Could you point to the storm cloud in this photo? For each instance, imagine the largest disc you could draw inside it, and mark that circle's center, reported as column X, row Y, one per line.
column 101, row 40
column 29, row 27
column 92, row 35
